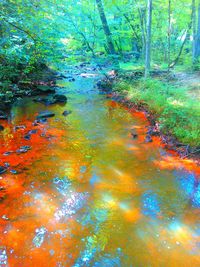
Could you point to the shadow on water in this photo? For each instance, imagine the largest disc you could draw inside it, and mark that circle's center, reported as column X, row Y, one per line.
column 82, row 192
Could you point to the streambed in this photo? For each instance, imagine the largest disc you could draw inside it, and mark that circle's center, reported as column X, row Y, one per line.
column 86, row 193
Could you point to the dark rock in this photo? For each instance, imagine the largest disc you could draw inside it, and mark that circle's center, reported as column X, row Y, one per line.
column 27, row 137
column 2, row 189
column 6, row 164
column 66, row 112
column 61, row 76
column 46, row 89
column 17, row 127
column 1, row 128
column 152, row 130
column 2, row 169
column 45, row 100
column 32, row 131
column 23, row 149
column 82, row 65
column 148, row 139
column 104, row 85
column 3, row 115
column 7, row 153
column 35, row 123
column 20, row 151
column 60, row 98
column 13, row 171
column 44, row 120
column 51, row 100
column 26, row 147
column 134, row 134
column 45, row 114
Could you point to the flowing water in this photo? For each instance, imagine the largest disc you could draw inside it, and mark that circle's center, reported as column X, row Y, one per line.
column 85, row 193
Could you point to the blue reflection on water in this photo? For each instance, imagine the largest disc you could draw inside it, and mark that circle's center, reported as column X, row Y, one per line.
column 94, row 179
column 190, row 185
column 88, row 253
column 186, row 181
column 3, row 257
column 72, row 204
column 109, row 260
column 83, row 169
column 73, row 201
column 39, row 237
column 150, row 204
column 196, row 197
column 87, row 258
column 62, row 185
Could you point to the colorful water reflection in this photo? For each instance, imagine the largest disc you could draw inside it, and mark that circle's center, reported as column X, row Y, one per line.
column 79, row 191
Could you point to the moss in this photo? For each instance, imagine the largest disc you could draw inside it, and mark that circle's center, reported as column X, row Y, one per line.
column 177, row 113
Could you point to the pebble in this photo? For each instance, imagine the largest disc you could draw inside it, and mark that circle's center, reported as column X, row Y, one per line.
column 13, row 171
column 66, row 112
column 1, row 128
column 45, row 114
column 2, row 169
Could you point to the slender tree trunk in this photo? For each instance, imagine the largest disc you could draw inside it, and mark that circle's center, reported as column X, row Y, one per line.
column 184, row 41
column 181, row 49
column 197, row 39
column 148, row 39
column 85, row 40
column 194, row 21
column 130, row 24
column 169, row 34
column 141, row 16
column 110, row 45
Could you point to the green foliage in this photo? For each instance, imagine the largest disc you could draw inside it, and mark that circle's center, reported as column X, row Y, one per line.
column 177, row 113
column 29, row 37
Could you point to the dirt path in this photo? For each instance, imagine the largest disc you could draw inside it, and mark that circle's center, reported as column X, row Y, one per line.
column 191, row 81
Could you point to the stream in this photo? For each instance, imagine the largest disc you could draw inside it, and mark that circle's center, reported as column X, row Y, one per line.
column 81, row 191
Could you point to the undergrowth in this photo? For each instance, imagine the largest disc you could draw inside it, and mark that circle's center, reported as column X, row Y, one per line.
column 177, row 113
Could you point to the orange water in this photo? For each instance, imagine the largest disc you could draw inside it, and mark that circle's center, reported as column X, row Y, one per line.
column 87, row 194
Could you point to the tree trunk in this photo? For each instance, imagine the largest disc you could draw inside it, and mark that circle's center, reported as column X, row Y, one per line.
column 197, row 39
column 111, row 48
column 143, row 30
column 181, row 49
column 184, row 41
column 194, row 30
column 169, row 33
column 148, row 39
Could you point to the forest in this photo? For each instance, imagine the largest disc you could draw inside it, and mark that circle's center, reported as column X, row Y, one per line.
column 145, row 36
column 99, row 133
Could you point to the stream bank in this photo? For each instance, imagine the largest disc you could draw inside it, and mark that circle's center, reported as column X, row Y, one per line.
column 173, row 116
column 41, row 81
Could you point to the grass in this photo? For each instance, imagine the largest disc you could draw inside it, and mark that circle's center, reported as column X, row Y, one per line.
column 176, row 112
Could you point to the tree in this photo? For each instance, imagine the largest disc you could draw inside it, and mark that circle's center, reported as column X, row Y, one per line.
column 196, row 48
column 169, row 33
column 110, row 46
column 148, row 39
column 193, row 30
